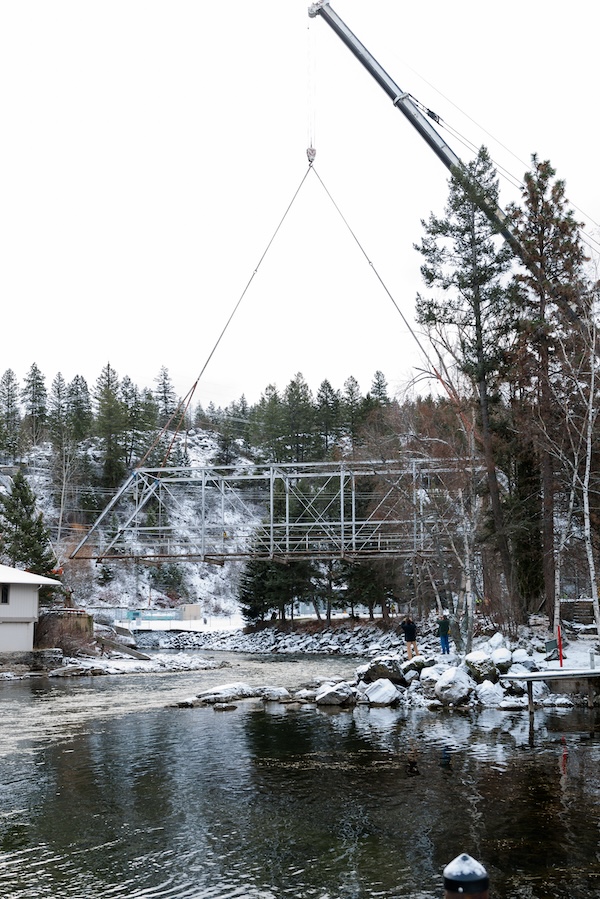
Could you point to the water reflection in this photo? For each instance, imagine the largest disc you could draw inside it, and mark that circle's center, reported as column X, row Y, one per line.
column 267, row 802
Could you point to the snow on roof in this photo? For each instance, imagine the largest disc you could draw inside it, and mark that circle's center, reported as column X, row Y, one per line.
column 10, row 575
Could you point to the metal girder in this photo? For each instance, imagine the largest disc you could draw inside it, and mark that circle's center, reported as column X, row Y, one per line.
column 348, row 510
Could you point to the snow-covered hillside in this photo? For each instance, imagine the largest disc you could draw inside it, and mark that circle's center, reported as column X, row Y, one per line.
column 131, row 585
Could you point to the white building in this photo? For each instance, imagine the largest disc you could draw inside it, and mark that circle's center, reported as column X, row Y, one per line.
column 19, row 607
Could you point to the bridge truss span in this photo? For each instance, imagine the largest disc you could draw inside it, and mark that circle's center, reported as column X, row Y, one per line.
column 349, row 509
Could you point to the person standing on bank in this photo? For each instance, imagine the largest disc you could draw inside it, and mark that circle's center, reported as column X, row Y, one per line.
column 410, row 636
column 443, row 624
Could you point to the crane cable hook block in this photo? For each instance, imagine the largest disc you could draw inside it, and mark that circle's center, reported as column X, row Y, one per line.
column 311, row 154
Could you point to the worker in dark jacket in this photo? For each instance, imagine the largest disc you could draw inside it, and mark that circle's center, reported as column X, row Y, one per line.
column 443, row 624
column 410, row 636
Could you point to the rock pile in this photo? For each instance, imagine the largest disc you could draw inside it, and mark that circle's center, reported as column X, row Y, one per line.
column 362, row 641
column 426, row 681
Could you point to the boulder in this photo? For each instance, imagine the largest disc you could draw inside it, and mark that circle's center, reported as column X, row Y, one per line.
column 496, row 642
column 69, row 671
column 305, row 695
column 502, row 659
column 228, row 693
column 382, row 692
column 335, row 694
column 417, row 663
column 383, row 667
column 429, row 678
column 516, row 687
column 276, row 694
column 522, row 657
column 490, row 694
column 454, row 686
column 481, row 667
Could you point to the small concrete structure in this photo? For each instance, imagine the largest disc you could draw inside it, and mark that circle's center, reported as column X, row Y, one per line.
column 19, row 607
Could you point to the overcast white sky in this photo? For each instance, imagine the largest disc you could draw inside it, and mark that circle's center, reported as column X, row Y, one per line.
column 149, row 150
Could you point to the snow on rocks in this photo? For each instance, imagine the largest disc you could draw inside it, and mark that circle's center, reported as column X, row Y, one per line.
column 502, row 659
column 454, row 686
column 481, row 666
column 382, row 692
column 429, row 681
column 340, row 693
column 383, row 676
column 489, row 694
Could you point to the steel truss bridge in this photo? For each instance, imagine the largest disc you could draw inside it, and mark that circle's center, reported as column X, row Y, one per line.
column 344, row 510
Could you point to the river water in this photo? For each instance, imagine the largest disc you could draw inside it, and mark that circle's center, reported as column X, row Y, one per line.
column 108, row 791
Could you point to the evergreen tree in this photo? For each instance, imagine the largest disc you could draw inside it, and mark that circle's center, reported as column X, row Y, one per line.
column 379, row 389
column 10, row 416
column 298, row 420
column 269, row 586
column 327, row 417
column 58, row 410
column 166, row 397
column 466, row 316
column 111, row 426
column 551, row 308
column 66, row 459
column 253, row 590
column 141, row 414
column 34, row 396
column 267, row 425
column 25, row 538
column 80, row 415
column 351, row 407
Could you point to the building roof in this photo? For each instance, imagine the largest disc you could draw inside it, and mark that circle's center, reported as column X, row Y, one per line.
column 10, row 575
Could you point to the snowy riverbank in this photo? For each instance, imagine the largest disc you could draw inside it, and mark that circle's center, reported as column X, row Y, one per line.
column 383, row 676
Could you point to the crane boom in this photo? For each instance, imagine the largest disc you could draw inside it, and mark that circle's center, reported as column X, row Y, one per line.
column 399, row 98
column 404, row 103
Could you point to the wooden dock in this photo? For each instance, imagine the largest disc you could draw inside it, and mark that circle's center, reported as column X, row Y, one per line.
column 571, row 680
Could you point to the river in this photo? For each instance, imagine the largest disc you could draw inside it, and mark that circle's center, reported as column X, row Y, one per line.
column 109, row 791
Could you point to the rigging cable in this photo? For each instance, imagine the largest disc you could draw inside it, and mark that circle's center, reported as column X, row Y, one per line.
column 183, row 405
column 445, row 384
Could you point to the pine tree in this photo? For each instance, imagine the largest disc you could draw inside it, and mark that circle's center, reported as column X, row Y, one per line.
column 466, row 316
column 166, row 397
column 111, row 426
column 379, row 389
column 351, row 407
column 141, row 414
column 551, row 308
column 298, row 417
column 34, row 396
column 327, row 417
column 25, row 538
column 80, row 414
column 266, row 425
column 10, row 416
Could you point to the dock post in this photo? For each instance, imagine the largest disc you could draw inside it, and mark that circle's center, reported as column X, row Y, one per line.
column 530, row 696
column 465, row 876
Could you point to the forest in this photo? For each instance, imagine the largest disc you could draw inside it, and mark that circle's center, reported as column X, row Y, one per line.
column 506, row 406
